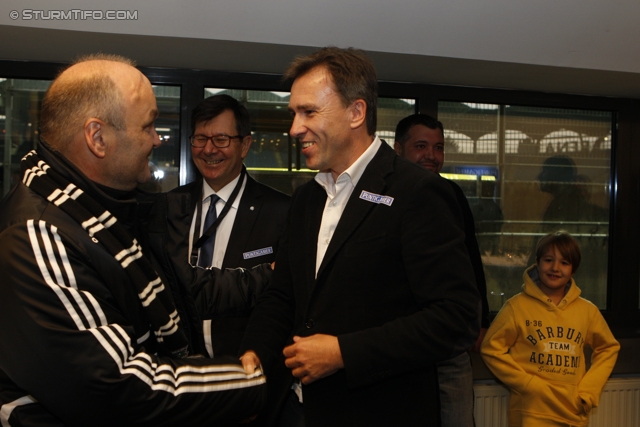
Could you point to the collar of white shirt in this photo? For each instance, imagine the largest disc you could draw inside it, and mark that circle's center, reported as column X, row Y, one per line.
column 224, row 193
column 353, row 172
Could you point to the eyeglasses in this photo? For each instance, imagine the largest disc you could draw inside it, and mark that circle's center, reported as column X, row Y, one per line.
column 220, row 141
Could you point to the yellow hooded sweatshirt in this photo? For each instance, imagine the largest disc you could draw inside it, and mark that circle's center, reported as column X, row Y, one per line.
column 537, row 350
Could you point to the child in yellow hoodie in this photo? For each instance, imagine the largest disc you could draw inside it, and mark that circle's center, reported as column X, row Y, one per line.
column 535, row 345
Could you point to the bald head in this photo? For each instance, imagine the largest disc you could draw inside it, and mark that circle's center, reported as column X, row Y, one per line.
column 92, row 87
column 99, row 113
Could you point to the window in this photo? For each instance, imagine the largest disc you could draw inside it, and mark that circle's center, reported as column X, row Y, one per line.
column 19, row 113
column 390, row 112
column 165, row 160
column 528, row 171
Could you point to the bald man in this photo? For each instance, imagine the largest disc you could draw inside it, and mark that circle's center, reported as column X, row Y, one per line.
column 93, row 330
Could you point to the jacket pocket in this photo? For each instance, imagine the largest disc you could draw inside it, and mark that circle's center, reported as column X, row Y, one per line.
column 556, row 399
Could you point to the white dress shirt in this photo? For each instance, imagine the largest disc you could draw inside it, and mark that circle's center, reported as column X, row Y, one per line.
column 338, row 193
column 223, row 232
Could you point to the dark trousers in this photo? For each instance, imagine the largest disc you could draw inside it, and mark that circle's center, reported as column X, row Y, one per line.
column 292, row 414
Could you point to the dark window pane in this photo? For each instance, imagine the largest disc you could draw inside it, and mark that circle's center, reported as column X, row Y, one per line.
column 165, row 160
column 19, row 114
column 528, row 171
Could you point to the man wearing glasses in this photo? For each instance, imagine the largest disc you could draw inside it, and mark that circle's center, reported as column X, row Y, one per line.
column 242, row 226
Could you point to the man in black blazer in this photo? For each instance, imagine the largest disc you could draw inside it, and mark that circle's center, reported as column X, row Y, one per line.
column 420, row 139
column 372, row 284
column 249, row 230
column 259, row 221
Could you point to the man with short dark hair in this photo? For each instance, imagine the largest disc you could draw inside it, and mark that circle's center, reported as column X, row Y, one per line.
column 93, row 330
column 248, row 233
column 420, row 139
column 249, row 216
column 366, row 294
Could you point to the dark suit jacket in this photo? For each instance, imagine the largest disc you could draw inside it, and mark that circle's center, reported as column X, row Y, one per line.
column 471, row 242
column 395, row 286
column 259, row 221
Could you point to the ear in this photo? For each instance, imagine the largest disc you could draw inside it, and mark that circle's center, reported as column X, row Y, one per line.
column 358, row 112
column 246, row 144
column 94, row 130
column 398, row 148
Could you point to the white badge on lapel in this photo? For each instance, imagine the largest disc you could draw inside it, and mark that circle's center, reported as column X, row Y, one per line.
column 376, row 198
column 258, row 252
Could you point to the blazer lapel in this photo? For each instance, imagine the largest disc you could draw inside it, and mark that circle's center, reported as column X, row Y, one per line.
column 246, row 216
column 312, row 221
column 181, row 204
column 373, row 181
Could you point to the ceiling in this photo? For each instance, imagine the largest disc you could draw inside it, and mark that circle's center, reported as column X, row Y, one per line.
column 572, row 46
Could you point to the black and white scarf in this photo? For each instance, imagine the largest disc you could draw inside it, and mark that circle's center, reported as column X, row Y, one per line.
column 102, row 226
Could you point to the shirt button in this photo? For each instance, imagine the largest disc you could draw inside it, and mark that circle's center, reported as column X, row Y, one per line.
column 309, row 324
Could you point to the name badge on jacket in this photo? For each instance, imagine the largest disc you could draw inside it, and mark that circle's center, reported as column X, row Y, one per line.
column 376, row 198
column 257, row 253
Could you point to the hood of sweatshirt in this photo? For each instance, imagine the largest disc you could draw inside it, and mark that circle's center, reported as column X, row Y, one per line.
column 531, row 288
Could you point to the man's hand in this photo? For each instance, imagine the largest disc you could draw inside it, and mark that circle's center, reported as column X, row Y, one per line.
column 314, row 357
column 250, row 362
